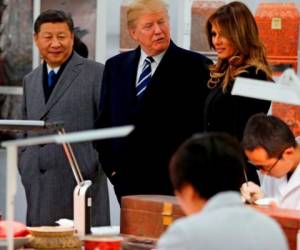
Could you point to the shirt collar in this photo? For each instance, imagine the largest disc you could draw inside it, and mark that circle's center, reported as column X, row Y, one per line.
column 56, row 69
column 156, row 58
column 223, row 199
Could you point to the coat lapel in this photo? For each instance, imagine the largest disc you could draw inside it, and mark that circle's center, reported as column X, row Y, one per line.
column 164, row 65
column 133, row 62
column 66, row 79
column 38, row 97
column 124, row 88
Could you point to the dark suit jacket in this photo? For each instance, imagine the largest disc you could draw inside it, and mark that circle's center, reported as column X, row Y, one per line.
column 169, row 113
column 224, row 112
column 46, row 175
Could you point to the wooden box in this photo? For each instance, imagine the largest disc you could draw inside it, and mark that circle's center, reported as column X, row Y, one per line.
column 278, row 25
column 145, row 217
column 290, row 114
column 126, row 42
column 138, row 243
column 289, row 221
column 201, row 11
column 148, row 215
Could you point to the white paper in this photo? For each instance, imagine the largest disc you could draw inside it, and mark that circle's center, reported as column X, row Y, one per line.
column 286, row 89
column 104, row 231
column 23, row 122
column 65, row 222
column 267, row 201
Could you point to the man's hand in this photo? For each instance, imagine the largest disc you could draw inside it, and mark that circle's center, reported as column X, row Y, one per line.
column 251, row 192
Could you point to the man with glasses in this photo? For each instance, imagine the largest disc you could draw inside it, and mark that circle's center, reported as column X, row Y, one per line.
column 271, row 147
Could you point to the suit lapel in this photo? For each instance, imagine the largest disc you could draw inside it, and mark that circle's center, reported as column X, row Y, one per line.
column 133, row 62
column 164, row 65
column 123, row 91
column 38, row 97
column 125, row 85
column 66, row 79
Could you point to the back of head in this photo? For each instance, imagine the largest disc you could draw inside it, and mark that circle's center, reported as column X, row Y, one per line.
column 140, row 7
column 268, row 132
column 53, row 16
column 211, row 163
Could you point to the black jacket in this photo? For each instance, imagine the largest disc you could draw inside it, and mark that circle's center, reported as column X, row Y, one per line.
column 171, row 111
column 224, row 112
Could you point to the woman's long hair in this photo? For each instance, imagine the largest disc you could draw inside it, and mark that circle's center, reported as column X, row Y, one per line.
column 238, row 25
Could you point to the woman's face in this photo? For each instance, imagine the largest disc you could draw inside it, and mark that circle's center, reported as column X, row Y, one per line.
column 222, row 45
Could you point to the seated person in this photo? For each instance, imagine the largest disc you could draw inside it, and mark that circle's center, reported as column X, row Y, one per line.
column 271, row 146
column 206, row 173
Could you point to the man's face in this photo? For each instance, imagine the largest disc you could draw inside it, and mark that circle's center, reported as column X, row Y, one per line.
column 152, row 32
column 274, row 166
column 55, row 43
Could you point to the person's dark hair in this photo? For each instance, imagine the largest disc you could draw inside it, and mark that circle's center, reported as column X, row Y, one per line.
column 268, row 132
column 211, row 163
column 80, row 47
column 53, row 16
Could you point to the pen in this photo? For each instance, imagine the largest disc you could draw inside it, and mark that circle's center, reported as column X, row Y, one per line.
column 245, row 175
column 246, row 179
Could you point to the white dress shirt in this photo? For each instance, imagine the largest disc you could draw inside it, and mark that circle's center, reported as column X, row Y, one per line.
column 56, row 69
column 154, row 64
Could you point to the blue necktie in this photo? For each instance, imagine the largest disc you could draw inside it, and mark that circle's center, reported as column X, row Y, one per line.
column 144, row 78
column 51, row 78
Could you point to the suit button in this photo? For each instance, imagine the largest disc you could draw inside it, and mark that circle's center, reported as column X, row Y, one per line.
column 42, row 171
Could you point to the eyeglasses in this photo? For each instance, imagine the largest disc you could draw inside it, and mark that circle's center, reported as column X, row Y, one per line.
column 273, row 165
column 262, row 167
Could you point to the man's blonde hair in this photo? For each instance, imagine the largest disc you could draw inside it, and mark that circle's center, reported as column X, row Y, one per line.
column 138, row 7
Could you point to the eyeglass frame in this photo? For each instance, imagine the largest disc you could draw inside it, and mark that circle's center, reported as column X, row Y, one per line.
column 267, row 172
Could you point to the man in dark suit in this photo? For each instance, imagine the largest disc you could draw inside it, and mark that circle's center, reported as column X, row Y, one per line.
column 66, row 87
column 160, row 89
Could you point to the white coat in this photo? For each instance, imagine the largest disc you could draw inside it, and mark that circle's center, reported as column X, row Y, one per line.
column 287, row 193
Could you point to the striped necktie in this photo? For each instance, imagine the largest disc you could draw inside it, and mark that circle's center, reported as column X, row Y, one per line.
column 51, row 78
column 144, row 78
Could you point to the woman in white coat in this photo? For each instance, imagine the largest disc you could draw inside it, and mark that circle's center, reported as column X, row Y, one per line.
column 270, row 146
